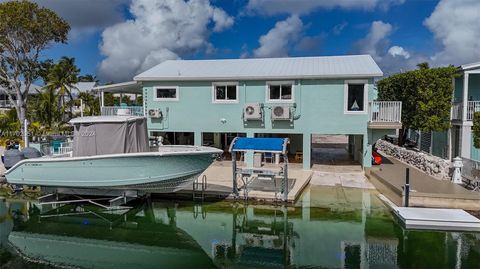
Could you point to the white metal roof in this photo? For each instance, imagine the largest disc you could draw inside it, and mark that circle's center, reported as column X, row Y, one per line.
column 470, row 66
column 96, row 119
column 349, row 66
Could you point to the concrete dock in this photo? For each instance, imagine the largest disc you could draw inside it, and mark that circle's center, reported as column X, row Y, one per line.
column 426, row 191
column 220, row 183
column 437, row 219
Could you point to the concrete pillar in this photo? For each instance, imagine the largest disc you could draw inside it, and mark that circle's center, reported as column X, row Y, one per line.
column 197, row 138
column 465, row 141
column 306, row 205
column 367, row 152
column 307, row 144
column 217, row 140
column 465, row 96
column 249, row 154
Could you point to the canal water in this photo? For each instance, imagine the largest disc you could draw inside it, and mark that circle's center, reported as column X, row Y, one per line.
column 328, row 228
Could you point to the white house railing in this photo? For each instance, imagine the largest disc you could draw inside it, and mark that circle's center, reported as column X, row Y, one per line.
column 457, row 110
column 122, row 111
column 385, row 111
column 5, row 104
column 472, row 107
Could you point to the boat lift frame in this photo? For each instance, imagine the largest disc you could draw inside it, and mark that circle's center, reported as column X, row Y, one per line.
column 116, row 199
column 261, row 145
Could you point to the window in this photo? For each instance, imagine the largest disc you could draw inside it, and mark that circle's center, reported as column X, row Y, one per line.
column 226, row 92
column 280, row 92
column 355, row 96
column 166, row 93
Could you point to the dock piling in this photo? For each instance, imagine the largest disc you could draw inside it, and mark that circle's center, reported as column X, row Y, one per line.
column 406, row 188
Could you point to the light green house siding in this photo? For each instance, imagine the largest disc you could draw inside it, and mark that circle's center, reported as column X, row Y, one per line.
column 319, row 109
column 458, row 90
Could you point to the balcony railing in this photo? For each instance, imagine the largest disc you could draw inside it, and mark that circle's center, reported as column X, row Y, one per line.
column 457, row 110
column 122, row 111
column 385, row 111
column 5, row 104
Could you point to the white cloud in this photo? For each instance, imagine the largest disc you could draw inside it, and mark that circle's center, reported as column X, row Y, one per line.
column 391, row 59
column 398, row 51
column 274, row 7
column 456, row 26
column 160, row 30
column 376, row 41
column 278, row 40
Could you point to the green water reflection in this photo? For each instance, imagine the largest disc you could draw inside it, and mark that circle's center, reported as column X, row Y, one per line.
column 327, row 228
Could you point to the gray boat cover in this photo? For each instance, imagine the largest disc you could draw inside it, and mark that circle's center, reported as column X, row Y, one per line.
column 109, row 135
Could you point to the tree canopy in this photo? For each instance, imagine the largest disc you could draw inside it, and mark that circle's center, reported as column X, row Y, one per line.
column 426, row 96
column 25, row 31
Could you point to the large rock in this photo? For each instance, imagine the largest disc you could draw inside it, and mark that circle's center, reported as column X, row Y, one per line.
column 431, row 165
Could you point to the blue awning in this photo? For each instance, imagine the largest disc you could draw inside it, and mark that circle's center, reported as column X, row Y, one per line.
column 276, row 145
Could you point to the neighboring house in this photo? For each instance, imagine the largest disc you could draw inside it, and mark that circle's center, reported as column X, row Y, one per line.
column 466, row 101
column 208, row 102
column 6, row 104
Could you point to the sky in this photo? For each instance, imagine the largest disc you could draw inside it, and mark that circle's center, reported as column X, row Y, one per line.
column 117, row 39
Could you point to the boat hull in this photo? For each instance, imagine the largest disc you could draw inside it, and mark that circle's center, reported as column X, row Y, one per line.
column 147, row 172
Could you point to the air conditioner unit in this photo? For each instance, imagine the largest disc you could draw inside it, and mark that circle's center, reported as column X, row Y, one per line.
column 155, row 113
column 280, row 113
column 252, row 112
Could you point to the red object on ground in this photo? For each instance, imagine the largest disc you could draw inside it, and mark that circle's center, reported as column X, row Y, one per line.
column 376, row 158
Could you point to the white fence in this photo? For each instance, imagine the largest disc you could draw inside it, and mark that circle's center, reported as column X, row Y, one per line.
column 385, row 111
column 122, row 111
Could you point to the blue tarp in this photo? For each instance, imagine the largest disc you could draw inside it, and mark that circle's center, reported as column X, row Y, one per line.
column 259, row 144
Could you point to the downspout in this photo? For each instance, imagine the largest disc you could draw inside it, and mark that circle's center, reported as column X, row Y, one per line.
column 296, row 117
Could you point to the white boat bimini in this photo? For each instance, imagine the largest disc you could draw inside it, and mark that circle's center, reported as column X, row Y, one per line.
column 112, row 153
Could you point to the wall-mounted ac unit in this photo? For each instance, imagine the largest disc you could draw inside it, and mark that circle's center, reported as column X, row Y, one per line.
column 252, row 112
column 280, row 113
column 155, row 113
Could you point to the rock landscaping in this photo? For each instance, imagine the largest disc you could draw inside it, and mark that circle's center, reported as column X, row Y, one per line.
column 429, row 164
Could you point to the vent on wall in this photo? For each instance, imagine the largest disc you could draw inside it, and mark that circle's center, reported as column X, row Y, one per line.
column 281, row 113
column 155, row 113
column 252, row 112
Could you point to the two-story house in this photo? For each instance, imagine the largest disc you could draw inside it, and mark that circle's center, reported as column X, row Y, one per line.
column 466, row 101
column 208, row 102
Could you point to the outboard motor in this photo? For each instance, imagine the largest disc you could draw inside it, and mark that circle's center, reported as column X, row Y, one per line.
column 30, row 153
column 11, row 157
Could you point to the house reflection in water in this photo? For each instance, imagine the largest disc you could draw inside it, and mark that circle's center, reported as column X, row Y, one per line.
column 328, row 228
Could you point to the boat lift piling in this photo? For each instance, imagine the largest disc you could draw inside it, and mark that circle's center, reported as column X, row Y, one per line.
column 261, row 145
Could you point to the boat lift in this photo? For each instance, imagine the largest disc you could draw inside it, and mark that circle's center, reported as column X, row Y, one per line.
column 276, row 146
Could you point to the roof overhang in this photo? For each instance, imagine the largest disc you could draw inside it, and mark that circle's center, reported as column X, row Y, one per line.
column 469, row 67
column 237, row 78
column 134, row 87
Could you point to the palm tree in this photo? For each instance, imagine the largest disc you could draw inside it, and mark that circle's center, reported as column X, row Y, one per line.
column 62, row 77
column 46, row 107
column 92, row 105
column 87, row 78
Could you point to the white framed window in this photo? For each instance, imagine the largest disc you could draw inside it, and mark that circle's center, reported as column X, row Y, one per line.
column 165, row 93
column 356, row 96
column 225, row 92
column 280, row 92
